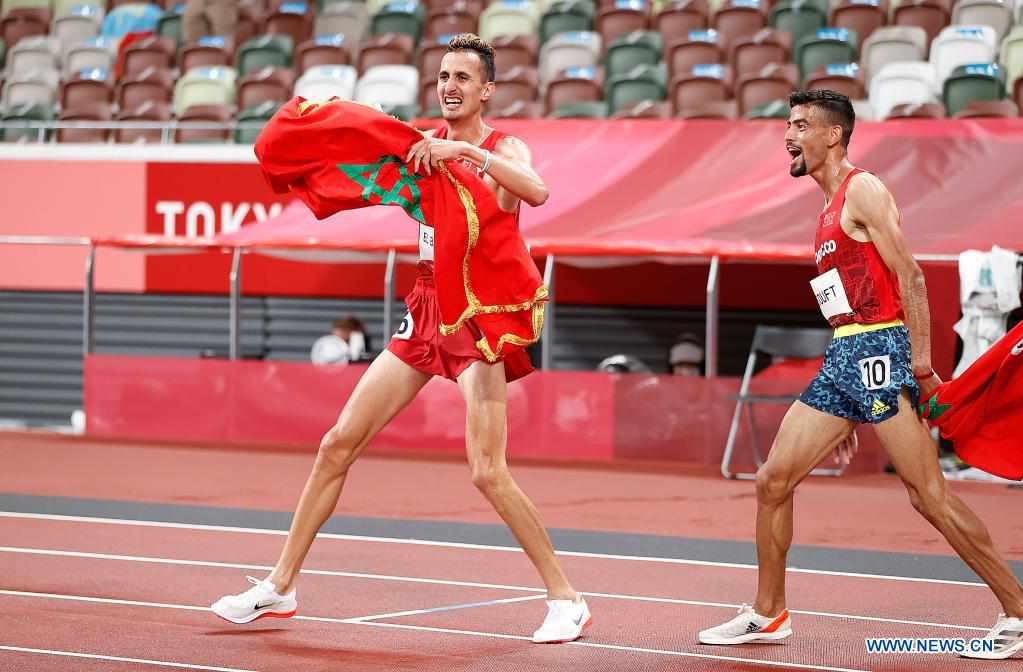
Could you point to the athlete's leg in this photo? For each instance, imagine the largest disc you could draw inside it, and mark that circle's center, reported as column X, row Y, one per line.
column 911, row 450
column 805, row 438
column 388, row 385
column 486, row 431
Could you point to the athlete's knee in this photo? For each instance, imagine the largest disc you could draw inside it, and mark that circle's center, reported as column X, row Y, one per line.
column 489, row 475
column 929, row 499
column 338, row 449
column 774, row 484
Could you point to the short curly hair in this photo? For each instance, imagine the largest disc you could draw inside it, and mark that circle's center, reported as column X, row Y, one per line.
column 479, row 46
column 836, row 105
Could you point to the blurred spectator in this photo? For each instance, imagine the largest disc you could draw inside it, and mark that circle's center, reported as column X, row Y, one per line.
column 686, row 357
column 209, row 17
column 622, row 364
column 345, row 343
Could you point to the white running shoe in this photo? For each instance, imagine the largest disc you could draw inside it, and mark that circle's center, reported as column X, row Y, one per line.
column 565, row 622
column 262, row 599
column 749, row 626
column 1007, row 636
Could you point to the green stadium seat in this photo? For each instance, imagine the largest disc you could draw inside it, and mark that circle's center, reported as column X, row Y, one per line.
column 403, row 112
column 582, row 110
column 642, row 47
column 776, row 109
column 264, row 51
column 248, row 131
column 967, row 83
column 798, row 18
column 1012, row 56
column 169, row 25
column 403, row 17
column 566, row 16
column 29, row 112
column 644, row 82
column 825, row 47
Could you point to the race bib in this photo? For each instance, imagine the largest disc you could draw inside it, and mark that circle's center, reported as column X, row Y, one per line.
column 425, row 242
column 830, row 293
column 405, row 328
column 876, row 372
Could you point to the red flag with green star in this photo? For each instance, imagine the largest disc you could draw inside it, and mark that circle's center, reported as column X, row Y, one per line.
column 981, row 411
column 339, row 156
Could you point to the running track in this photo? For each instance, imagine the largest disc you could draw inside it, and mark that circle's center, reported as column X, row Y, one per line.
column 109, row 554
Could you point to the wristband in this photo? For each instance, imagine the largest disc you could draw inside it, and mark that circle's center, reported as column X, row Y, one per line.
column 486, row 161
column 924, row 376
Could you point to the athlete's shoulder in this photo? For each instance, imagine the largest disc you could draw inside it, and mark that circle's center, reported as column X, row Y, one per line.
column 866, row 185
column 512, row 146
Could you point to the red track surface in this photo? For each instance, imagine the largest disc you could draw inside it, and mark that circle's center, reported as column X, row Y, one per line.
column 651, row 634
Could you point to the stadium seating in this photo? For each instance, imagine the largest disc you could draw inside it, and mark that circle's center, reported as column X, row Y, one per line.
column 847, row 79
column 968, row 83
column 208, row 113
column 1011, row 57
column 28, row 112
column 82, row 23
column 33, row 87
column 581, row 110
column 988, row 108
column 962, row 45
column 270, row 85
column 20, row 23
column 701, row 46
column 450, row 20
column 566, row 16
column 322, row 50
column 264, row 51
column 798, row 18
column 774, row 109
column 632, row 49
column 205, row 86
column 917, row 111
column 621, row 18
column 826, row 46
column 87, row 88
column 151, row 85
column 994, row 13
column 772, row 82
column 515, row 50
column 290, row 19
column 350, row 19
column 862, row 17
column 644, row 82
column 321, row 82
column 574, row 85
column 508, row 17
column 207, row 51
column 95, row 112
column 519, row 84
column 388, row 86
column 903, row 82
column 32, row 53
column 892, row 44
column 251, row 122
column 168, row 26
column 766, row 46
column 569, row 50
column 389, row 49
column 403, row 17
column 149, row 112
column 676, row 20
column 703, row 84
column 739, row 19
column 931, row 15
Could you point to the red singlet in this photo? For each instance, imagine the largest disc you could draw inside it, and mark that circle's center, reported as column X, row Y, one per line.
column 854, row 285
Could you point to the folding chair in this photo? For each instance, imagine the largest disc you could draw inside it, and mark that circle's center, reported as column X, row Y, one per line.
column 791, row 343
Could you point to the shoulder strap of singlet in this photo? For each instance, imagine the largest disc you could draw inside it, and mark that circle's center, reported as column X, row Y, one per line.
column 839, row 200
column 490, row 142
column 441, row 132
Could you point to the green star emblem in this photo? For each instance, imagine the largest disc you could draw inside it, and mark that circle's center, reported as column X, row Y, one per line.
column 932, row 410
column 367, row 175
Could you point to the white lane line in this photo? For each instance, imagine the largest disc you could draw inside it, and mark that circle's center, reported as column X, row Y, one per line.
column 119, row 659
column 475, row 547
column 420, row 628
column 452, row 607
column 628, row 649
column 470, row 584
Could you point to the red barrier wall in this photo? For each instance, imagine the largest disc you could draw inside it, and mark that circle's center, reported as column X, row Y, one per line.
column 551, row 414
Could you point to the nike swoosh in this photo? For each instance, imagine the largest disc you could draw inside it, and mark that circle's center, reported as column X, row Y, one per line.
column 578, row 621
column 264, row 605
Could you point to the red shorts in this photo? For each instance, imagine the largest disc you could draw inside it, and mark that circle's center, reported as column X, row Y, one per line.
column 419, row 343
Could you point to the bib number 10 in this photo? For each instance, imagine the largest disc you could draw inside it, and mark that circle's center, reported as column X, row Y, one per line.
column 876, row 372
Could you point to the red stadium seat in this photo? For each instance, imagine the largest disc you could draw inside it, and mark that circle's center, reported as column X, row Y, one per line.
column 205, row 53
column 151, row 85
column 859, row 17
column 206, row 113
column 772, row 82
column 739, row 19
column 766, row 46
column 387, row 49
column 917, row 111
column 272, row 84
column 146, row 112
column 95, row 111
column 931, row 15
column 678, row 19
column 700, row 85
column 684, row 54
column 516, row 85
column 320, row 51
column 149, row 52
column 614, row 22
column 515, row 50
column 567, row 88
column 842, row 78
column 451, row 20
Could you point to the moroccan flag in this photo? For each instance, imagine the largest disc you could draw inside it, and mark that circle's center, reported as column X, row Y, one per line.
column 339, row 155
column 981, row 411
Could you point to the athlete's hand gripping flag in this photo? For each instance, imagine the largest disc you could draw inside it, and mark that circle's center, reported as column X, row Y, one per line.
column 981, row 411
column 339, row 156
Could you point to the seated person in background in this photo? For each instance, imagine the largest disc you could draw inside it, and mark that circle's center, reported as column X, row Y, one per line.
column 345, row 343
column 686, row 357
column 622, row 364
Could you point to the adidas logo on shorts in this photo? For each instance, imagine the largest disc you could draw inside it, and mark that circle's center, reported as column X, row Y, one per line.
column 879, row 408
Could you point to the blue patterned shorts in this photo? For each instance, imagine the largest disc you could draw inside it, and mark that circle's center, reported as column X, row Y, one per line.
column 863, row 375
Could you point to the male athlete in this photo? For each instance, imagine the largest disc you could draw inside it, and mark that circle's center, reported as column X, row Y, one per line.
column 418, row 352
column 872, row 291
